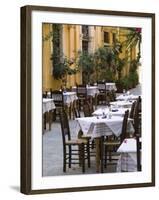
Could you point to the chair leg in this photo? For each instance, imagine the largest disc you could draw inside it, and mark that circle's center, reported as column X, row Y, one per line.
column 105, row 160
column 54, row 115
column 88, row 154
column 83, row 158
column 64, row 159
column 110, row 156
column 70, row 156
column 93, row 144
column 80, row 154
column 44, row 117
column 101, row 153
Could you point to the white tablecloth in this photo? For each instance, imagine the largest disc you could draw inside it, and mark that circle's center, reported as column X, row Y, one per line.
column 97, row 127
column 69, row 97
column 111, row 86
column 48, row 104
column 123, row 104
column 128, row 158
column 91, row 90
column 127, row 97
column 113, row 112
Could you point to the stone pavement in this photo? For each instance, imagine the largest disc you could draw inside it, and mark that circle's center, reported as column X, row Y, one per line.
column 52, row 160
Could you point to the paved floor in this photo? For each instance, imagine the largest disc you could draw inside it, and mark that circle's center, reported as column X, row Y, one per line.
column 53, row 150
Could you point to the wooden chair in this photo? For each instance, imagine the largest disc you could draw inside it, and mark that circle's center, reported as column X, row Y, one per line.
column 44, row 94
column 76, row 112
column 75, row 151
column 111, row 95
column 102, row 97
column 138, row 145
column 137, row 117
column 57, row 96
column 131, row 114
column 81, row 91
column 87, row 113
column 111, row 143
column 87, row 110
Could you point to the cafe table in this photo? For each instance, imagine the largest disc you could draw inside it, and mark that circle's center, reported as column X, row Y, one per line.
column 113, row 111
column 128, row 156
column 121, row 104
column 111, row 86
column 69, row 98
column 48, row 106
column 91, row 90
column 96, row 127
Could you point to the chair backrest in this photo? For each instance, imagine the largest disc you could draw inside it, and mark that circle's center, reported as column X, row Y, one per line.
column 81, row 91
column 113, row 95
column 86, row 109
column 136, row 116
column 124, row 126
column 138, row 145
column 131, row 115
column 91, row 107
column 76, row 112
column 64, row 126
column 57, row 96
column 101, row 86
column 44, row 94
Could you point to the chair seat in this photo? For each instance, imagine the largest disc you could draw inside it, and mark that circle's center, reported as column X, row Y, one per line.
column 76, row 142
column 86, row 137
column 116, row 142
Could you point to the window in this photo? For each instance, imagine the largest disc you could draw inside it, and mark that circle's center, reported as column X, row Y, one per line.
column 114, row 37
column 106, row 37
column 85, row 32
column 85, row 45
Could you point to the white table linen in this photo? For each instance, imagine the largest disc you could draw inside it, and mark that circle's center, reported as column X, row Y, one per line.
column 91, row 90
column 113, row 112
column 48, row 104
column 108, row 86
column 126, row 97
column 69, row 97
column 111, row 86
column 97, row 127
column 128, row 157
column 123, row 104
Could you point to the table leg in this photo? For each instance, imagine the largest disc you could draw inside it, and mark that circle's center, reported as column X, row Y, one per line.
column 50, row 119
column 97, row 142
column 95, row 98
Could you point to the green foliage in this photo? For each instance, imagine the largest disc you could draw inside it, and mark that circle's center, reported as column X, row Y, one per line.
column 126, row 82
column 134, row 39
column 133, row 78
column 134, row 65
column 120, row 63
column 85, row 63
column 63, row 68
column 105, row 64
column 107, row 75
column 61, row 64
column 104, row 58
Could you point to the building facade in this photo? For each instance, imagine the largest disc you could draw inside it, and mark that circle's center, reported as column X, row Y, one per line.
column 72, row 39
